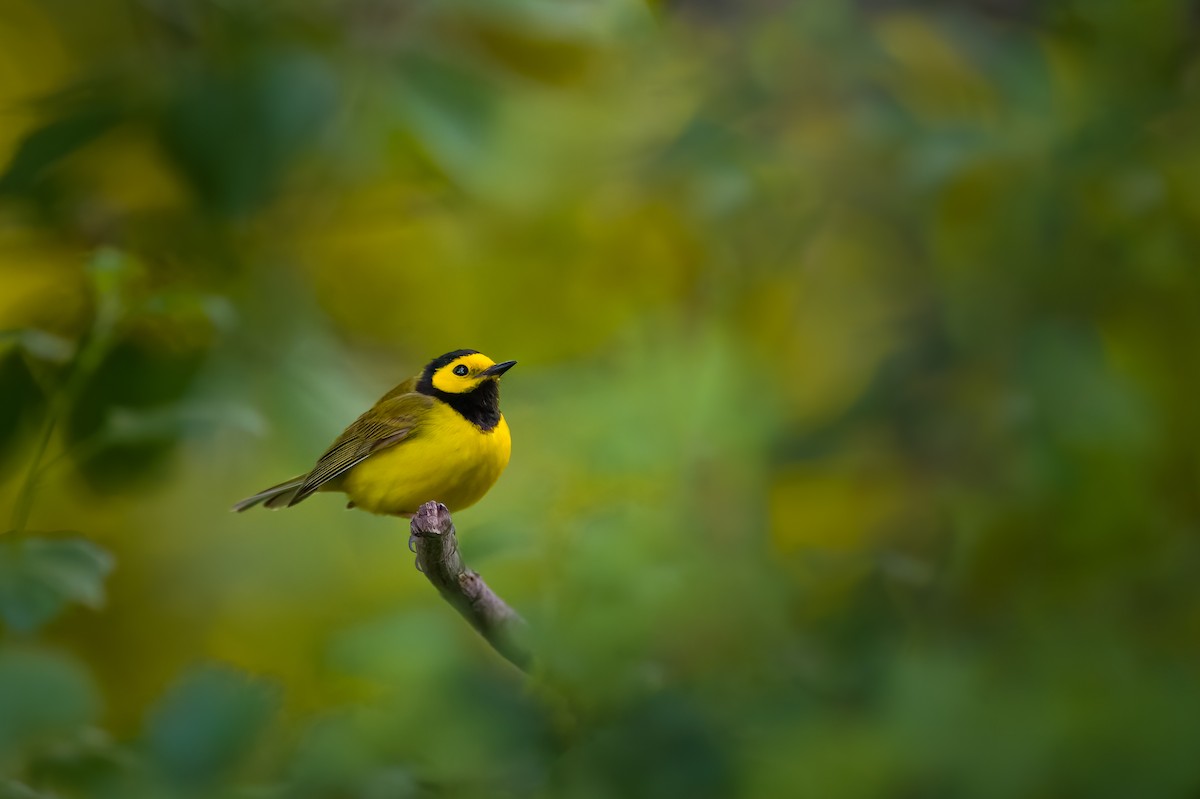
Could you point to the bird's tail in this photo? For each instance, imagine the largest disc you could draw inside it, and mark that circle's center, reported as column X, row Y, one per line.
column 277, row 496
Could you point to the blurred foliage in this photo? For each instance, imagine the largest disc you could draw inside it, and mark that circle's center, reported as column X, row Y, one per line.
column 856, row 450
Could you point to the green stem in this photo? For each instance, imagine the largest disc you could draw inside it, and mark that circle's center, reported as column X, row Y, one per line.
column 86, row 360
column 24, row 505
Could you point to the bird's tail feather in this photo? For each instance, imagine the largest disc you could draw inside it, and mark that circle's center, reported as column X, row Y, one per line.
column 277, row 496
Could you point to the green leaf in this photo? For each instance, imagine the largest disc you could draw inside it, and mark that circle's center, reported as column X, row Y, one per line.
column 135, row 376
column 41, row 576
column 49, row 144
column 43, row 695
column 208, row 723
column 216, row 310
column 167, row 423
column 11, row 789
column 235, row 132
column 47, row 346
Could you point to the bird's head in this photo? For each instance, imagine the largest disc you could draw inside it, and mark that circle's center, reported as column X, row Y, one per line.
column 462, row 371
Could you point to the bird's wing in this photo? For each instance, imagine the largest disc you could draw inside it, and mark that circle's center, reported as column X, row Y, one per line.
column 393, row 419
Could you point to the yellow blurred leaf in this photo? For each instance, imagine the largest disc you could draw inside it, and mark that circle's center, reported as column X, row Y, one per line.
column 934, row 78
column 42, row 283
column 832, row 511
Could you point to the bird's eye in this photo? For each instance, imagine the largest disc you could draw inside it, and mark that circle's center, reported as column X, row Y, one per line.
column 460, row 370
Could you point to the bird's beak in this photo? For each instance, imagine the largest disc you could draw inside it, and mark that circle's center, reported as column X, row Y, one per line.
column 498, row 369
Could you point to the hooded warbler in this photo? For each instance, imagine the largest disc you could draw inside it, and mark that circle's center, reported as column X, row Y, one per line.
column 437, row 436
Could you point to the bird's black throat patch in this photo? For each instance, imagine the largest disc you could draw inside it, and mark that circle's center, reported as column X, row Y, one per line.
column 480, row 407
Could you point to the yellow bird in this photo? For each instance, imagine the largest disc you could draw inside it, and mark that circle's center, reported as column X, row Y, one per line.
column 437, row 436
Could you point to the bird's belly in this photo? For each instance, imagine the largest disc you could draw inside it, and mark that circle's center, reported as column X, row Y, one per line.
column 450, row 461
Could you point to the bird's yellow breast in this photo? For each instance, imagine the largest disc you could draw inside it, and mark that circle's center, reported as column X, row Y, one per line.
column 447, row 459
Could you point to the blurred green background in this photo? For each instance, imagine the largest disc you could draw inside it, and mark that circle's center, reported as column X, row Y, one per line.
column 856, row 450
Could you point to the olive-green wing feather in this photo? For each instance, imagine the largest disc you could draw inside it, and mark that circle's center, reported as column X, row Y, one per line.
column 273, row 497
column 394, row 419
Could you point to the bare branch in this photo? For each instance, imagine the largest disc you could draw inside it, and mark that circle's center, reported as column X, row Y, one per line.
column 436, row 546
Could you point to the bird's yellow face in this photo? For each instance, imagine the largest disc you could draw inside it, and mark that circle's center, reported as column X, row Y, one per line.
column 466, row 372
